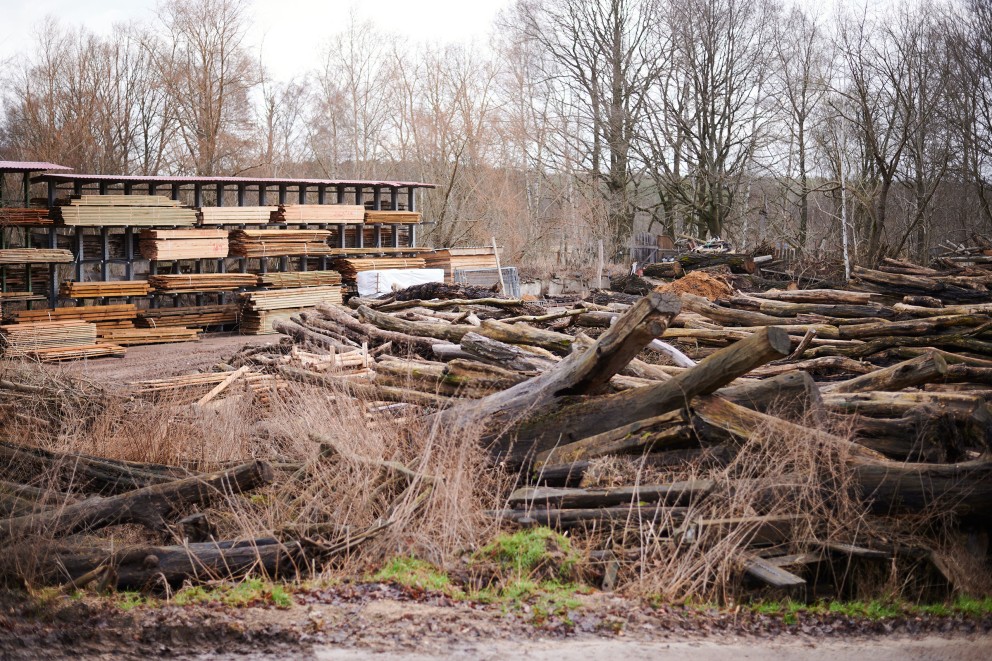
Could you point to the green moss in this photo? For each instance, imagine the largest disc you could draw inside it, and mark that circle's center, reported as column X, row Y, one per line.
column 250, row 592
column 874, row 610
column 129, row 600
column 413, row 573
column 523, row 553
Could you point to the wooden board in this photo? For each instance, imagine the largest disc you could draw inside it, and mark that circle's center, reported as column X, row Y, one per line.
column 279, row 243
column 392, row 217
column 135, row 336
column 35, row 256
column 320, row 213
column 350, row 267
column 299, row 279
column 190, row 316
column 236, row 215
column 21, row 339
column 104, row 289
column 17, row 217
column 192, row 283
column 96, row 313
column 183, row 244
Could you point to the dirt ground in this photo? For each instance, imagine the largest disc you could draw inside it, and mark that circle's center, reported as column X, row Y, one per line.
column 382, row 621
column 157, row 361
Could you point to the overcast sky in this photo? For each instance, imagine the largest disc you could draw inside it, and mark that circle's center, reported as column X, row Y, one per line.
column 290, row 32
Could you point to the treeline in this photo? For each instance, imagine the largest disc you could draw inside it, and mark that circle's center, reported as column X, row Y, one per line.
column 582, row 120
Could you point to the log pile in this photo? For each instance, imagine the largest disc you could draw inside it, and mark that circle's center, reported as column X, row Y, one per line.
column 260, row 309
column 124, row 211
column 319, row 214
column 235, row 215
column 192, row 283
column 279, row 243
column 104, row 289
column 183, row 244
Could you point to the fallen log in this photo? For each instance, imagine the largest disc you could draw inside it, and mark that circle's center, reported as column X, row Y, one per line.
column 673, row 493
column 907, row 374
column 737, row 262
column 149, row 506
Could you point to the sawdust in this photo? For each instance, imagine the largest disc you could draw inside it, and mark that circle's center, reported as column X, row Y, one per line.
column 699, row 283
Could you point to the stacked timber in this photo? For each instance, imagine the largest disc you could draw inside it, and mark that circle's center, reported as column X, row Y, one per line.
column 458, row 259
column 192, row 283
column 161, row 335
column 102, row 315
column 261, row 308
column 299, row 279
column 392, row 217
column 279, row 243
column 17, row 217
column 26, row 338
column 104, row 289
column 350, row 267
column 319, row 214
column 124, row 211
column 183, row 244
column 235, row 215
column 197, row 316
column 35, row 256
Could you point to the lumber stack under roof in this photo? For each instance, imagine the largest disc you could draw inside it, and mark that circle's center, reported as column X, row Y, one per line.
column 279, row 243
column 104, row 289
column 35, row 256
column 14, row 217
column 392, row 217
column 197, row 316
column 261, row 308
column 456, row 259
column 98, row 314
column 133, row 336
column 319, row 213
column 183, row 244
column 192, row 283
column 351, row 266
column 299, row 279
column 236, row 215
column 124, row 211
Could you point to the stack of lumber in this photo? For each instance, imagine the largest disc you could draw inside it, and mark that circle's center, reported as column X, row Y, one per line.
column 104, row 316
column 235, row 215
column 197, row 316
column 191, row 283
column 163, row 335
column 261, row 308
column 13, row 217
column 392, row 217
column 35, row 256
column 319, row 214
column 104, row 289
column 124, row 211
column 299, row 279
column 27, row 338
column 183, row 244
column 100, row 350
column 192, row 388
column 457, row 259
column 277, row 243
column 350, row 267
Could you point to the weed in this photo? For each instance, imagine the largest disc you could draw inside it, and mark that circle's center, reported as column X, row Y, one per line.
column 531, row 552
column 250, row 592
column 414, row 573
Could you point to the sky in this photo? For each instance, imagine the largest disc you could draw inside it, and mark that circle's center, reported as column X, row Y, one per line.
column 289, row 32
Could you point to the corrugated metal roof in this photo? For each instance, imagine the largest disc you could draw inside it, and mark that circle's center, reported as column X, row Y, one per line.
column 29, row 166
column 135, row 179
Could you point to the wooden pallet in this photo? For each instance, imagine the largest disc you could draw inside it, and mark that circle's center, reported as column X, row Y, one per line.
column 193, row 283
column 236, row 215
column 183, row 244
column 35, row 256
column 104, row 289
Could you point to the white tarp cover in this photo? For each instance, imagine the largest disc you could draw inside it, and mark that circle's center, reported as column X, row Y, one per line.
column 371, row 283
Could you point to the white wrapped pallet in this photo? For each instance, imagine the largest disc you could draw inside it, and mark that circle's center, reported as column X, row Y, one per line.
column 372, row 283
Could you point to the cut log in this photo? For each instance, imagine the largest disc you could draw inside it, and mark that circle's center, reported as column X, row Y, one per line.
column 557, row 343
column 738, row 263
column 907, row 374
column 149, row 506
column 500, row 353
column 438, row 331
column 663, row 270
column 822, row 296
column 729, row 316
column 674, row 493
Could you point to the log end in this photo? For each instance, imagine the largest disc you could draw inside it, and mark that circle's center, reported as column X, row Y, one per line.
column 778, row 339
